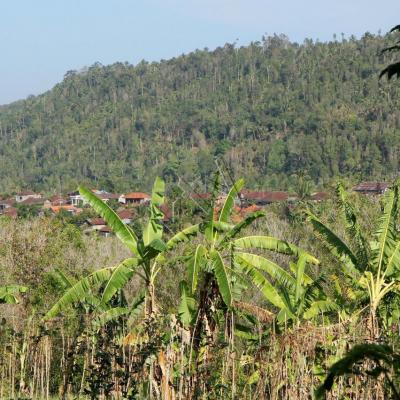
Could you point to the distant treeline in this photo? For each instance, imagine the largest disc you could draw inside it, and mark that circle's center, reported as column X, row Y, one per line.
column 268, row 111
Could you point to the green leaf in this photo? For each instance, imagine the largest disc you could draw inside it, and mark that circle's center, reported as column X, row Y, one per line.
column 123, row 232
column 222, row 277
column 301, row 265
column 260, row 281
column 273, row 244
column 262, row 263
column 352, row 227
column 110, row 315
column 194, row 265
column 9, row 293
column 386, row 237
column 119, row 277
column 320, row 307
column 187, row 305
column 80, row 291
column 154, row 229
column 230, row 201
column 240, row 226
column 183, row 236
column 335, row 245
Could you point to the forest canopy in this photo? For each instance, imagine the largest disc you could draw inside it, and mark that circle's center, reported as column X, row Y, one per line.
column 268, row 110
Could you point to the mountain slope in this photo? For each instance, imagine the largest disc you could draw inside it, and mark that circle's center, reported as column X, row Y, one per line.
column 269, row 110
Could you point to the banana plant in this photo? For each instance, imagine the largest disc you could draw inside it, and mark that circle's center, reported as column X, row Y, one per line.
column 9, row 293
column 219, row 265
column 144, row 248
column 297, row 296
column 373, row 266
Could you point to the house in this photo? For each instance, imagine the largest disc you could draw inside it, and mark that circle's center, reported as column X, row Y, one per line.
column 106, row 231
column 25, row 195
column 126, row 216
column 67, row 208
column 372, row 187
column 32, row 201
column 263, row 198
column 137, row 198
column 96, row 224
column 11, row 212
column 74, row 198
column 106, row 197
column 201, row 196
column 57, row 200
column 6, row 203
column 319, row 196
column 167, row 213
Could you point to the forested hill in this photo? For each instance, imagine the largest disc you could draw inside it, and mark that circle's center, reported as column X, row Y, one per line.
column 270, row 110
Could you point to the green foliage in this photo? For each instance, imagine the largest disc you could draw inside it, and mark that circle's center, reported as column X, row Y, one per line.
column 9, row 294
column 283, row 107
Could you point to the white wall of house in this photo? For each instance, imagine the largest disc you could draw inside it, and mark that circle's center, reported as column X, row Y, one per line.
column 22, row 197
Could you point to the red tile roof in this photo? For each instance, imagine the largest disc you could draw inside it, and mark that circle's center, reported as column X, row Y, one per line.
column 27, row 193
column 96, row 221
column 376, row 187
column 10, row 201
column 264, row 196
column 167, row 212
column 125, row 214
column 201, row 196
column 108, row 196
column 137, row 196
column 67, row 207
column 11, row 212
column 30, row 201
column 319, row 196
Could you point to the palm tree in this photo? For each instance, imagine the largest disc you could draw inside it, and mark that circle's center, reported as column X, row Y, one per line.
column 372, row 266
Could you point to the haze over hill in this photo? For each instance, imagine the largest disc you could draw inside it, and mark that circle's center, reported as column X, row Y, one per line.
column 269, row 110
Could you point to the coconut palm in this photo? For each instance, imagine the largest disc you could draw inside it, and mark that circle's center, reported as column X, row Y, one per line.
column 373, row 267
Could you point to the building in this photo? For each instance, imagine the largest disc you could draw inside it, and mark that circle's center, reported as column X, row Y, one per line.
column 96, row 224
column 137, row 198
column 66, row 208
column 6, row 203
column 58, row 200
column 372, row 187
column 126, row 216
column 31, row 201
column 106, row 197
column 75, row 199
column 106, row 231
column 11, row 212
column 319, row 196
column 263, row 198
column 25, row 195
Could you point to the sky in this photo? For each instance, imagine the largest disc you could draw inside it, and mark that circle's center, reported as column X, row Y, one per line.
column 42, row 39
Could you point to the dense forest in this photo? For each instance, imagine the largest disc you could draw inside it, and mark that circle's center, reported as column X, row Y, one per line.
column 268, row 111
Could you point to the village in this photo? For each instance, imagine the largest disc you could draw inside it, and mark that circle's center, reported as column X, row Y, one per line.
column 126, row 204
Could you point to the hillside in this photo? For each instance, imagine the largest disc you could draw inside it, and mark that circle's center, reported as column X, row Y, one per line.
column 270, row 109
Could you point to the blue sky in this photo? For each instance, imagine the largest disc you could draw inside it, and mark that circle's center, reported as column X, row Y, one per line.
column 42, row 39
